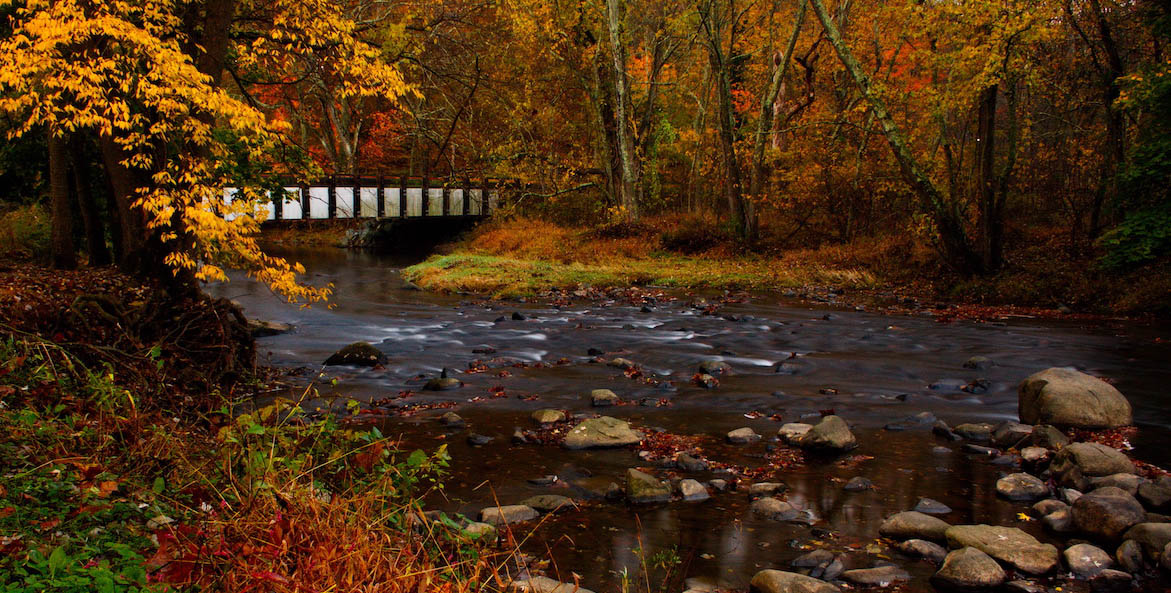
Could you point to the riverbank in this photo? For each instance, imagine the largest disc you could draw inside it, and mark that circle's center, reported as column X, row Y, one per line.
column 133, row 461
column 526, row 257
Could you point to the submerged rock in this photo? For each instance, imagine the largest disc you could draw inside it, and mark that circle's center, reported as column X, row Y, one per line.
column 778, row 581
column 359, row 354
column 622, row 363
column 714, row 367
column 264, row 329
column 967, row 569
column 766, row 489
column 858, row 484
column 692, row 490
column 443, row 384
column 1066, row 397
column 452, row 420
column 601, row 432
column 1007, row 544
column 931, row 507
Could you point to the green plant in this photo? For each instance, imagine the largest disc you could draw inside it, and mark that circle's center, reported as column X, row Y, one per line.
column 24, row 232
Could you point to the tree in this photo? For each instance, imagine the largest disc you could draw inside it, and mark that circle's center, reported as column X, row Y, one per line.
column 142, row 79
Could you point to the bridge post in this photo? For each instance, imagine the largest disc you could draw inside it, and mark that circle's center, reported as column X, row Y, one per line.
column 426, row 193
column 303, row 194
column 332, row 210
column 467, row 196
column 484, row 191
column 278, row 205
column 402, row 197
column 381, row 210
column 357, row 194
column 446, row 198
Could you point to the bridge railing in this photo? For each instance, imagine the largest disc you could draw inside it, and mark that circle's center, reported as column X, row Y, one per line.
column 381, row 196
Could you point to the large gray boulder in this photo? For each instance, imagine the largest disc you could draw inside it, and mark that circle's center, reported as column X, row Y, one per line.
column 602, row 432
column 358, row 354
column 914, row 525
column 968, row 569
column 832, row 434
column 1074, row 465
column 779, row 581
column 1065, row 397
column 1153, row 537
column 1006, row 544
column 1107, row 513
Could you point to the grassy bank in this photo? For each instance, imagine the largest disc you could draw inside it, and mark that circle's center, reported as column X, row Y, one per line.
column 523, row 257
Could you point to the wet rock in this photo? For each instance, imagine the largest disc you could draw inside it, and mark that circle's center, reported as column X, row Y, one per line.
column 981, row 432
column 642, row 487
column 1165, row 558
column 920, row 420
column 931, row 507
column 507, row 514
column 452, row 420
column 691, row 464
column 601, row 432
column 1048, row 437
column 913, row 525
column 1086, row 561
column 980, row 450
column 1011, row 434
column 706, row 381
column 813, row 559
column 1024, row 587
column 548, row 503
column 941, row 429
column 1107, row 513
column 939, row 450
column 1021, row 487
column 1152, row 537
column 858, row 484
column 969, row 569
column 788, row 367
column 622, row 363
column 1034, row 455
column 443, row 384
column 547, row 416
column 547, row 480
column 1059, row 521
column 923, row 549
column 264, row 329
column 831, row 434
column 714, row 367
column 979, row 363
column 1110, row 579
column 742, row 436
column 792, row 432
column 1005, row 459
column 778, row 581
column 1129, row 556
column 692, row 490
column 1075, row 464
column 766, row 489
column 1049, row 505
column 519, row 437
column 518, row 316
column 1066, row 397
column 477, row 530
column 1069, row 495
column 1006, row 544
column 775, row 509
column 718, row 485
column 478, row 440
column 601, row 398
column 1156, row 494
column 358, row 354
column 1127, row 482
column 546, row 585
column 880, row 576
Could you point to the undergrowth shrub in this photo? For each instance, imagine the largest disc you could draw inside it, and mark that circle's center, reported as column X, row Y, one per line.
column 24, row 232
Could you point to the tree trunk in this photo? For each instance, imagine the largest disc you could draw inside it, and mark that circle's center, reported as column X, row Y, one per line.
column 742, row 213
column 91, row 219
column 985, row 177
column 61, row 239
column 622, row 99
column 953, row 239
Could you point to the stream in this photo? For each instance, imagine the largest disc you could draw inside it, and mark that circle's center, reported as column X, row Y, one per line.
column 871, row 369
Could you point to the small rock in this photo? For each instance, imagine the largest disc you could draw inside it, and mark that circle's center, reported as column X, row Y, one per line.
column 1165, row 558
column 603, row 431
column 766, row 489
column 968, row 569
column 548, row 480
column 547, row 416
column 923, row 549
column 518, row 317
column 1129, row 556
column 980, row 432
column 743, row 436
column 1086, row 560
column 833, row 570
column 718, row 485
column 1021, row 487
column 361, row 354
column 1156, row 494
column 706, row 381
column 264, row 329
column 931, row 507
column 714, row 367
column 1107, row 512
column 979, row 363
column 519, row 437
column 548, row 503
column 858, row 484
column 692, row 490
column 477, row 530
column 1049, row 505
column 478, row 440
column 452, row 420
column 503, row 515
column 881, row 576
column 545, row 585
column 1024, row 587
column 940, row 428
column 913, row 525
column 1068, row 495
column 158, row 522
column 601, row 398
column 1048, row 437
column 642, row 487
column 772, row 508
column 622, row 363
column 831, row 434
column 1034, row 454
column 813, row 559
column 980, row 450
column 1059, row 521
column 792, row 432
column 777, row 581
column 1011, row 434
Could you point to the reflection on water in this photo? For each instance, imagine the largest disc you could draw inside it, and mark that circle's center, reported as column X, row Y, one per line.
column 882, row 368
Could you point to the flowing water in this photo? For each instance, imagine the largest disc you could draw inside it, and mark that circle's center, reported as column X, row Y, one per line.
column 871, row 369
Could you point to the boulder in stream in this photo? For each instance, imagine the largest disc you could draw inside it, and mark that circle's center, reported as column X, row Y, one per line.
column 832, row 434
column 642, row 487
column 511, row 513
column 358, row 354
column 914, row 525
column 968, row 569
column 1065, row 397
column 1021, row 486
column 1006, row 544
column 601, row 432
column 601, row 398
column 1074, row 465
column 779, row 581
